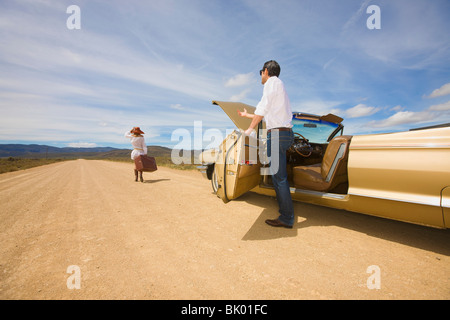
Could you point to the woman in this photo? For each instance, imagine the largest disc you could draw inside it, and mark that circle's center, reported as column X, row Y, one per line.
column 138, row 143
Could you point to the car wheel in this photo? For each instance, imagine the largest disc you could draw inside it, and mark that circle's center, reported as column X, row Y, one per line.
column 214, row 182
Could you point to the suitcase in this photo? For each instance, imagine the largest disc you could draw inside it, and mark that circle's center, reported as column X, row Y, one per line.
column 145, row 163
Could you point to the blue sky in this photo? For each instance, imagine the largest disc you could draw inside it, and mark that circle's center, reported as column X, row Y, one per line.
column 158, row 64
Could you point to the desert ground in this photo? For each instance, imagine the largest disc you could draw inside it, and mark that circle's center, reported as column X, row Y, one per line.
column 84, row 229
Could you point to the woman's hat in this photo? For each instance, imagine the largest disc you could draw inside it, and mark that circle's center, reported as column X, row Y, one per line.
column 136, row 130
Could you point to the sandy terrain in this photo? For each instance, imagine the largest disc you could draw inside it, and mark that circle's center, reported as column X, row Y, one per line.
column 171, row 238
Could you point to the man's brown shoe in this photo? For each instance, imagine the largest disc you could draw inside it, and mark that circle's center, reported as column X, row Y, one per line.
column 277, row 223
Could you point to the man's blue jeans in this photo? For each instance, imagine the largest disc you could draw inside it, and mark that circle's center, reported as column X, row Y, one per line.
column 281, row 140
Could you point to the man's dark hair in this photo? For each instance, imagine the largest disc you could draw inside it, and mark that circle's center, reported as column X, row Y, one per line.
column 273, row 67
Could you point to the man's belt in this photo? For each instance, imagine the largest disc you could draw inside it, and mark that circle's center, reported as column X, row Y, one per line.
column 280, row 129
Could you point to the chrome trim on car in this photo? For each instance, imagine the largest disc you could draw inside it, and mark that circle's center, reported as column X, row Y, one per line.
column 319, row 194
column 339, row 155
column 311, row 192
column 435, row 203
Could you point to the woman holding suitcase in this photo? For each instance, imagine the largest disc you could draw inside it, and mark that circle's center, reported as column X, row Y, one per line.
column 139, row 147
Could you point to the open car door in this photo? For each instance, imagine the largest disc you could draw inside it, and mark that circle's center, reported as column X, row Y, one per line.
column 237, row 166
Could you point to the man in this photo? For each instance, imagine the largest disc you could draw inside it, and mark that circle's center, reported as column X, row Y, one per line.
column 275, row 109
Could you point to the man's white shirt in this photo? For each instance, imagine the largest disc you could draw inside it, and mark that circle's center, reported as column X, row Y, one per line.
column 275, row 106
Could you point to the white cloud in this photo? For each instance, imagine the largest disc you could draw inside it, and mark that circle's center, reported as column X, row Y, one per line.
column 440, row 107
column 404, row 117
column 96, row 54
column 241, row 96
column 176, row 107
column 240, row 80
column 82, row 145
column 442, row 91
column 361, row 110
column 397, row 108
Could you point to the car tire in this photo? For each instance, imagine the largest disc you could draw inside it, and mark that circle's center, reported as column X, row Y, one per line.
column 214, row 182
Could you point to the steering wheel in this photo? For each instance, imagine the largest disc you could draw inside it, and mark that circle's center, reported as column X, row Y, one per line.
column 302, row 146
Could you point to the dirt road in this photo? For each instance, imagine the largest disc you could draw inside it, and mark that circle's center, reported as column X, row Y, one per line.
column 171, row 238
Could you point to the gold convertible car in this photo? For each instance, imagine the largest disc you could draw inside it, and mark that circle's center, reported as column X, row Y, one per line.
column 402, row 176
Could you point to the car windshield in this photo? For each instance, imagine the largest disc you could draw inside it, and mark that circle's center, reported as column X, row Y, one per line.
column 315, row 130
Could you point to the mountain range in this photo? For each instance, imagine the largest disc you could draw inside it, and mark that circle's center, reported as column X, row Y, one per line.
column 44, row 151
